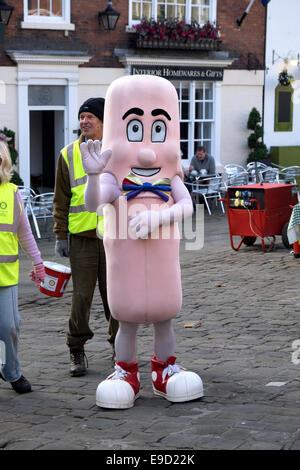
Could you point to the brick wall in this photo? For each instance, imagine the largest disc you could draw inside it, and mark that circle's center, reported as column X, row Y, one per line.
column 90, row 37
column 250, row 39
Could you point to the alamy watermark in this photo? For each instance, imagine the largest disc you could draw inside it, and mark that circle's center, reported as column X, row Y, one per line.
column 188, row 228
column 296, row 352
column 2, row 92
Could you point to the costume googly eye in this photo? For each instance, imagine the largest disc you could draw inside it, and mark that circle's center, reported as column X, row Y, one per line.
column 135, row 131
column 159, row 131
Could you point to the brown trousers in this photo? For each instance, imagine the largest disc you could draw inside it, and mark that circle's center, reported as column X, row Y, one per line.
column 88, row 264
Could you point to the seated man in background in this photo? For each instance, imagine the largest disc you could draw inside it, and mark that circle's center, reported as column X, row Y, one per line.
column 201, row 162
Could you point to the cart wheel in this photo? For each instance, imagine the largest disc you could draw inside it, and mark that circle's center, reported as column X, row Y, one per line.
column 284, row 236
column 249, row 241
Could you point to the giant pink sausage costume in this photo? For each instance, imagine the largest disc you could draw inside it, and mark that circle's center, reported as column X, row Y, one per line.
column 137, row 174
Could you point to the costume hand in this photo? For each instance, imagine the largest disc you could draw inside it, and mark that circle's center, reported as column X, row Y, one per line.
column 143, row 223
column 37, row 275
column 62, row 248
column 93, row 160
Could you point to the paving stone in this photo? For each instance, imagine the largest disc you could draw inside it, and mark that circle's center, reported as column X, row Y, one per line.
column 248, row 303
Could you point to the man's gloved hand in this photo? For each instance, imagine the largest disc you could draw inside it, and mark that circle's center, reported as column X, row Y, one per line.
column 62, row 248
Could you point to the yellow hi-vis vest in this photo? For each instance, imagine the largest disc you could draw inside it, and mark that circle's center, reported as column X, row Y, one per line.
column 79, row 219
column 10, row 213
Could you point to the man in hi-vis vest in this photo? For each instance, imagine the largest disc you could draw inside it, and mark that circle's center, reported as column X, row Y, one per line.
column 76, row 237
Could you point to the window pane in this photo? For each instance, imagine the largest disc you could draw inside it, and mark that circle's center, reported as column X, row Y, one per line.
column 198, row 130
column 57, row 7
column 136, row 11
column 206, row 130
column 200, row 10
column 204, row 16
column 207, row 145
column 199, row 111
column 147, row 11
column 208, row 111
column 171, row 9
column 208, row 92
column 185, row 110
column 184, row 131
column 46, row 95
column 199, row 93
column 32, row 7
column 141, row 9
column 44, row 7
column 171, row 12
column 184, row 150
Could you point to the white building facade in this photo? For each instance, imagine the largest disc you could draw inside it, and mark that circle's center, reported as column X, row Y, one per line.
column 282, row 102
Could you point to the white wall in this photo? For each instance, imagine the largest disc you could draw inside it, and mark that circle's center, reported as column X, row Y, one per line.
column 93, row 82
column 8, row 99
column 242, row 90
column 283, row 37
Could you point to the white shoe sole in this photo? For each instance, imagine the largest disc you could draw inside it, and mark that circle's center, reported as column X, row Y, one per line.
column 117, row 406
column 178, row 399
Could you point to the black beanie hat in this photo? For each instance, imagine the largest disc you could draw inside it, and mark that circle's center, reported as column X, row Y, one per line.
column 94, row 106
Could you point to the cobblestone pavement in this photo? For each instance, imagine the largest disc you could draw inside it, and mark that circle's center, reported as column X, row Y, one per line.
column 249, row 305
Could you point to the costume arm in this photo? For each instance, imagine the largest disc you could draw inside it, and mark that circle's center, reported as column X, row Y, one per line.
column 101, row 187
column 25, row 236
column 146, row 222
column 183, row 206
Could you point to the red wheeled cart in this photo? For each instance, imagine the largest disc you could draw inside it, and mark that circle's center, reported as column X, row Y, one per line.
column 260, row 210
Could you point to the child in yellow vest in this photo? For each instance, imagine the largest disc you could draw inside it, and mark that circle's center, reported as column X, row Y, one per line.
column 14, row 229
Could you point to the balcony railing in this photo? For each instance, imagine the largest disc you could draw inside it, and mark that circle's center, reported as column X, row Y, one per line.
column 203, row 44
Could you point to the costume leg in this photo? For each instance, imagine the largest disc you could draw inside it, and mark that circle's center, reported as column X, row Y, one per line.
column 164, row 340
column 169, row 380
column 112, row 323
column 9, row 331
column 125, row 344
column 121, row 388
column 84, row 266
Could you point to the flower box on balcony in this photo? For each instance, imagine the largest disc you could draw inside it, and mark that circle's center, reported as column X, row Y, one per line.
column 173, row 34
column 204, row 44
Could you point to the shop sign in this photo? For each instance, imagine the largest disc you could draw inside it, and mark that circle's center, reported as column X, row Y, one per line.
column 180, row 73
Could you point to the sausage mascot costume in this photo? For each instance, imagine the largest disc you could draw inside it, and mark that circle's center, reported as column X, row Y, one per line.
column 136, row 178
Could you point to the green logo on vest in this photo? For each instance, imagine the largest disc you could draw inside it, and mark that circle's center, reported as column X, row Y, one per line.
column 3, row 205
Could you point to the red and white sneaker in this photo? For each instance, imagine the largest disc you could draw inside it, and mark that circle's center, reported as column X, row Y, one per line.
column 120, row 389
column 173, row 382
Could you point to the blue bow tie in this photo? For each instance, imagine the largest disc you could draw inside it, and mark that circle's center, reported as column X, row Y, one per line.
column 132, row 186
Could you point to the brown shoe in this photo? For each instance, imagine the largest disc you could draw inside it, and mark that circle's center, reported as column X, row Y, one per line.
column 77, row 364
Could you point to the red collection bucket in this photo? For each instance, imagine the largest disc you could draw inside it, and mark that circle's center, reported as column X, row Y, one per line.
column 56, row 280
column 296, row 249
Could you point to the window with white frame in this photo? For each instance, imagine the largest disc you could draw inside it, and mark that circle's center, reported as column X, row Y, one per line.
column 196, row 110
column 52, row 14
column 200, row 11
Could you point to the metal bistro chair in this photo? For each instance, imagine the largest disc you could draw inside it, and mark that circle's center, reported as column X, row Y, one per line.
column 269, row 175
column 236, row 179
column 43, row 206
column 255, row 170
column 28, row 196
column 289, row 174
column 235, row 175
column 211, row 189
